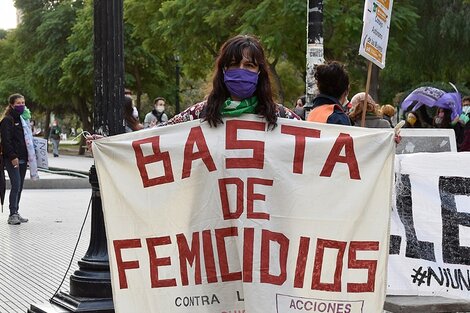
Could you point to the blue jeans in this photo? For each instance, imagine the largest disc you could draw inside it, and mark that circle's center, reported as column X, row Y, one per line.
column 16, row 176
column 55, row 146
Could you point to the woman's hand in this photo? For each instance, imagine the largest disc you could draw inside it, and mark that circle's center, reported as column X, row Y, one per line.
column 89, row 141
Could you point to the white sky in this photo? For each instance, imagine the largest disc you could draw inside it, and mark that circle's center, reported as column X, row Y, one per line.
column 7, row 14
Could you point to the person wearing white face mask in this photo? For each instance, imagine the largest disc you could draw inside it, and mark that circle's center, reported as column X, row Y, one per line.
column 157, row 116
column 465, row 116
column 130, row 116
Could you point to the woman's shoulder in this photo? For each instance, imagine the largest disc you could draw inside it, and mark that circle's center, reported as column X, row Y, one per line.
column 7, row 117
column 191, row 113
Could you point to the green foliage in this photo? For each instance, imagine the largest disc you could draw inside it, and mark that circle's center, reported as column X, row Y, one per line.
column 437, row 51
column 3, row 34
column 11, row 72
column 77, row 65
column 49, row 57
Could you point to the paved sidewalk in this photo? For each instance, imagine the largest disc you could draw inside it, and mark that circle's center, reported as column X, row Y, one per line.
column 34, row 256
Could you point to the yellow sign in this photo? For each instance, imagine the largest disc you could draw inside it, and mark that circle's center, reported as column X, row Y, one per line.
column 375, row 30
column 385, row 3
column 372, row 51
column 381, row 14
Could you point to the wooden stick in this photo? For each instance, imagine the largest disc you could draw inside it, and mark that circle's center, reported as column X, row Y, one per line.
column 364, row 106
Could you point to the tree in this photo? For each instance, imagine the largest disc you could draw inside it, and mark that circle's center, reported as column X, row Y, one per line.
column 195, row 30
column 342, row 35
column 437, row 51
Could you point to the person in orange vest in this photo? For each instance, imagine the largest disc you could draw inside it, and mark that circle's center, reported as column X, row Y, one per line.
column 333, row 84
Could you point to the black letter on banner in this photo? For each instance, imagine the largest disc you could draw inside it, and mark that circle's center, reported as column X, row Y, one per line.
column 414, row 248
column 452, row 252
column 395, row 240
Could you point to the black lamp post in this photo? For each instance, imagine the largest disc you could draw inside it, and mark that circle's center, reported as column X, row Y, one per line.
column 177, row 80
column 90, row 285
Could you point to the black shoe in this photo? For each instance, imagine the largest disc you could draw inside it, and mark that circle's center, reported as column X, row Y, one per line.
column 56, row 155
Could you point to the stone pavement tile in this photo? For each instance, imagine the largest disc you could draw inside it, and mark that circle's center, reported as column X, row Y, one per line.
column 34, row 256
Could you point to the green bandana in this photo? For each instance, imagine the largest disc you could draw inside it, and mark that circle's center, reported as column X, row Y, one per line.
column 26, row 113
column 237, row 108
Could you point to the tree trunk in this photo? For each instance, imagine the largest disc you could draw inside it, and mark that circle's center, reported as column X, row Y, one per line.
column 374, row 83
column 47, row 123
column 277, row 82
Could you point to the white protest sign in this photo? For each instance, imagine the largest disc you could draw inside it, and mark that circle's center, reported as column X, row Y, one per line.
column 375, row 31
column 240, row 218
column 430, row 226
column 40, row 148
column 414, row 140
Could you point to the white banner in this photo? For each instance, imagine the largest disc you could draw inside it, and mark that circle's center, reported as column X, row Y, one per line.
column 375, row 31
column 430, row 226
column 239, row 218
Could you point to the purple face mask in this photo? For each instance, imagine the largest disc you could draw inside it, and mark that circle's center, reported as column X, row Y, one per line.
column 19, row 109
column 241, row 83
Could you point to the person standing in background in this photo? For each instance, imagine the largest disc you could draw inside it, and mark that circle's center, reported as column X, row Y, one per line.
column 54, row 136
column 388, row 112
column 157, row 116
column 130, row 116
column 15, row 153
column 299, row 107
column 373, row 118
column 333, row 83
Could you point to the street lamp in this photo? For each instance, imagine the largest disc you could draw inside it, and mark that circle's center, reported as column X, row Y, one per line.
column 90, row 285
column 177, row 80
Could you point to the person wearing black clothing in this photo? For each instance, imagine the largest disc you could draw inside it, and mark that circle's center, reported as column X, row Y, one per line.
column 15, row 154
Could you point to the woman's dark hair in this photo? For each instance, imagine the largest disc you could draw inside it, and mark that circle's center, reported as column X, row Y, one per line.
column 332, row 79
column 127, row 110
column 446, row 121
column 158, row 99
column 233, row 50
column 302, row 99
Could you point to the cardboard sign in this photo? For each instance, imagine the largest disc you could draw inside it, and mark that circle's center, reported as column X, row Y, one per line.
column 40, row 148
column 240, row 218
column 426, row 140
column 375, row 31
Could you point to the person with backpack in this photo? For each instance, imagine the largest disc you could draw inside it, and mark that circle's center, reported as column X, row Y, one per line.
column 157, row 116
column 15, row 153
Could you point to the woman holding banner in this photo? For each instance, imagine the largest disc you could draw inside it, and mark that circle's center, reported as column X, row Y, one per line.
column 240, row 85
